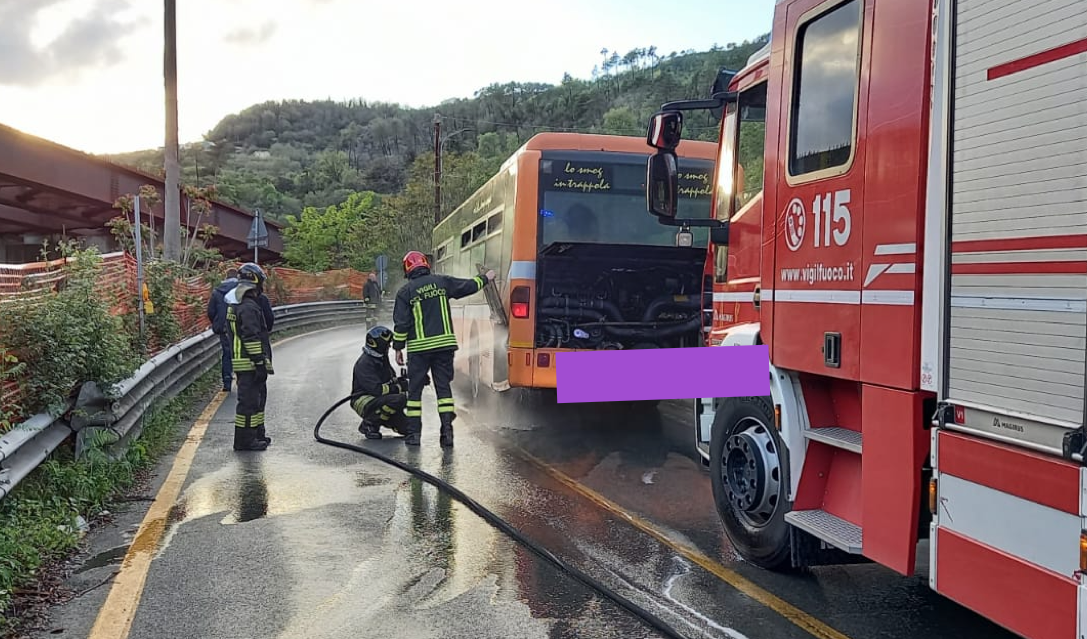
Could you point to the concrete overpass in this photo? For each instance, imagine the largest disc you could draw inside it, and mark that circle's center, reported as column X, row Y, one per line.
column 47, row 189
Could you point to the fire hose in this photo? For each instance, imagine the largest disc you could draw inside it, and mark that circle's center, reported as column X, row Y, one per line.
column 502, row 525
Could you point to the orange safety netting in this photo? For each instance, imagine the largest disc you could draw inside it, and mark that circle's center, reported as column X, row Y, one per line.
column 23, row 283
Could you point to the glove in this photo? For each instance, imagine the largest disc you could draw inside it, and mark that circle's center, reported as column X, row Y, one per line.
column 268, row 367
column 394, row 387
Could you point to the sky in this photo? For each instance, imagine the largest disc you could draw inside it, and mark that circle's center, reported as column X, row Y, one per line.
column 89, row 73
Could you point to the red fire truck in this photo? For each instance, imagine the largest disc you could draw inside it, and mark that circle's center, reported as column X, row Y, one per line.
column 901, row 217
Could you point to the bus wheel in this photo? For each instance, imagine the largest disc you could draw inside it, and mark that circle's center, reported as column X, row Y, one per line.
column 748, row 481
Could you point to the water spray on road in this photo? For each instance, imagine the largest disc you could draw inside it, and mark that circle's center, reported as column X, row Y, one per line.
column 497, row 522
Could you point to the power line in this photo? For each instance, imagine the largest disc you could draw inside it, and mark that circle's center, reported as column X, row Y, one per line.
column 550, row 127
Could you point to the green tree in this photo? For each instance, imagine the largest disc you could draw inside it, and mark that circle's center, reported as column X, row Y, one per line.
column 331, row 238
column 622, row 121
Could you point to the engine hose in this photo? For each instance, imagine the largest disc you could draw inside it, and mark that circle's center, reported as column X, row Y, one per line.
column 497, row 522
column 669, row 302
column 657, row 332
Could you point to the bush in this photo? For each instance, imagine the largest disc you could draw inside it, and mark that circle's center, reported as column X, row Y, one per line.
column 68, row 338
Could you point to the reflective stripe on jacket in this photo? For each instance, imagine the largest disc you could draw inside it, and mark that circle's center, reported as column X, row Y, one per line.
column 421, row 317
column 245, row 321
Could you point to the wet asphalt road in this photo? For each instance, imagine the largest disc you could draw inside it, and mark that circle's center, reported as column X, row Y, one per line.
column 306, row 540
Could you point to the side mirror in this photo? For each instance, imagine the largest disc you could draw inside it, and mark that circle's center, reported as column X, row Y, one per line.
column 719, row 235
column 665, row 130
column 662, row 184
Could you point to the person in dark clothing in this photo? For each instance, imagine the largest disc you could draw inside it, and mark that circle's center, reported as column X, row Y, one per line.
column 380, row 396
column 422, row 304
column 371, row 297
column 251, row 359
column 217, row 317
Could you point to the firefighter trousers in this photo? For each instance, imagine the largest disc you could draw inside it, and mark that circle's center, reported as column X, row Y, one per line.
column 252, row 395
column 385, row 410
column 440, row 365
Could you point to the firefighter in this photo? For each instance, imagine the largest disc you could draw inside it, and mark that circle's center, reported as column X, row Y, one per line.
column 421, row 322
column 381, row 395
column 251, row 360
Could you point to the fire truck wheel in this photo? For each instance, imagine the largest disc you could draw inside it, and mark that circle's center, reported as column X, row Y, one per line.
column 747, row 479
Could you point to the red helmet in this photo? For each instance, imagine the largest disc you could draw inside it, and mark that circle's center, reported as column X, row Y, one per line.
column 413, row 260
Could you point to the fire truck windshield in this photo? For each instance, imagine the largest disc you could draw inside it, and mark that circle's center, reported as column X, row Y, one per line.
column 596, row 198
column 750, row 115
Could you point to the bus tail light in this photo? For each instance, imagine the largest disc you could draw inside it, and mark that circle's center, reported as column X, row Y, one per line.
column 519, row 302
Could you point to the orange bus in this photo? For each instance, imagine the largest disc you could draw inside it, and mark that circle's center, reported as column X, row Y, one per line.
column 580, row 265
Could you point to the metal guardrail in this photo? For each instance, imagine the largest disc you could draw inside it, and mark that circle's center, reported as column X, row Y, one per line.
column 26, row 446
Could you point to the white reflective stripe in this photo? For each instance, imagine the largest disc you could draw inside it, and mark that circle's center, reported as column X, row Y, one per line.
column 1044, row 536
column 1020, row 303
column 524, row 270
column 818, row 297
column 749, row 296
column 854, row 298
column 896, row 249
column 875, row 270
column 888, row 298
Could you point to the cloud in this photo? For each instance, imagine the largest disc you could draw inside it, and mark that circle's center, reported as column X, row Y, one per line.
column 87, row 42
column 252, row 36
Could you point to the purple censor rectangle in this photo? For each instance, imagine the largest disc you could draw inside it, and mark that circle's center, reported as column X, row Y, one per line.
column 668, row 373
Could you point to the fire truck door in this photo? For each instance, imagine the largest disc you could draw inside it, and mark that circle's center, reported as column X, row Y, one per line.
column 819, row 216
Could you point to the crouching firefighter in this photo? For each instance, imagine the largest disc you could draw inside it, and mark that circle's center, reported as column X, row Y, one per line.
column 251, row 358
column 380, row 396
column 421, row 321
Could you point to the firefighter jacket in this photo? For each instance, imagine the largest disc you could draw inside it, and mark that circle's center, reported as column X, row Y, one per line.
column 421, row 317
column 372, row 378
column 248, row 332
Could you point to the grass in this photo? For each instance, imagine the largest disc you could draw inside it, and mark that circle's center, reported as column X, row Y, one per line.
column 38, row 521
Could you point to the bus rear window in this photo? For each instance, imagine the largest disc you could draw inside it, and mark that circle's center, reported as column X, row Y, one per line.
column 604, row 202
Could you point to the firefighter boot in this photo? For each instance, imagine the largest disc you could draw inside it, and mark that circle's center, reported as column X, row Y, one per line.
column 446, row 437
column 412, row 431
column 370, row 429
column 247, row 439
column 262, row 436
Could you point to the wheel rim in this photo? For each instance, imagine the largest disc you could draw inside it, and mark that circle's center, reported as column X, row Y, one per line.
column 751, row 472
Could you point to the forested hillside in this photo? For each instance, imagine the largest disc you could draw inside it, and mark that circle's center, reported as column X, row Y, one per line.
column 356, row 177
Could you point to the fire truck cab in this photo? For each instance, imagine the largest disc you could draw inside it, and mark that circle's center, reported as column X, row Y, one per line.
column 901, row 198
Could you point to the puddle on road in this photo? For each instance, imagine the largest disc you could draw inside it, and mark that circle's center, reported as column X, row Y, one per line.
column 253, row 488
column 104, row 558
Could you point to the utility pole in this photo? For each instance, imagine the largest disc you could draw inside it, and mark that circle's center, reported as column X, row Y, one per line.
column 437, row 168
column 171, row 235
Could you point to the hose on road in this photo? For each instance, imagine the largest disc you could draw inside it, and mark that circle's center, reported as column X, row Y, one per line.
column 494, row 520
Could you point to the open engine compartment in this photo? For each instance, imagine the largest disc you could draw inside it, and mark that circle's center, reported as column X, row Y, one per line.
column 607, row 296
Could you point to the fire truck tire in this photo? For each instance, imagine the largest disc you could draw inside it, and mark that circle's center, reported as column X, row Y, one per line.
column 748, row 481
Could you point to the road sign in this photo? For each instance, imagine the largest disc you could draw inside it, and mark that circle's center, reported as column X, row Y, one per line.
column 258, row 232
column 382, row 262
